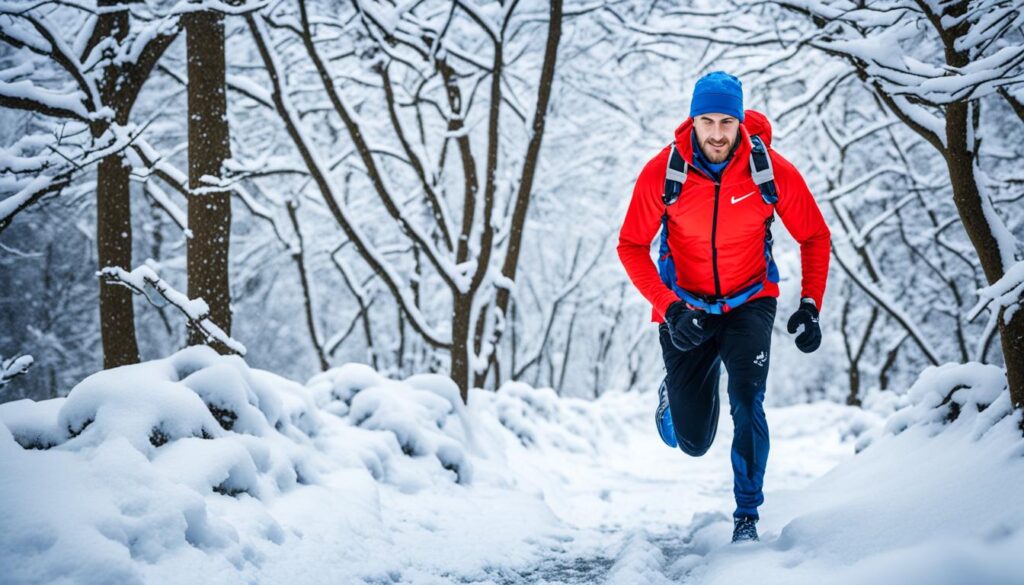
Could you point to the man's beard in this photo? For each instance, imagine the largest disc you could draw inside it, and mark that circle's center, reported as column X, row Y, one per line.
column 716, row 156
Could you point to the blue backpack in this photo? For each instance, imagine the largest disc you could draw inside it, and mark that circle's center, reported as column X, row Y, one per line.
column 675, row 176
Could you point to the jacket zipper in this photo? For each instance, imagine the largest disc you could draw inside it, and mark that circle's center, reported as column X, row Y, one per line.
column 714, row 250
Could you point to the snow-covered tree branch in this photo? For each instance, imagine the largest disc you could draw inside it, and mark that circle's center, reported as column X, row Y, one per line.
column 145, row 281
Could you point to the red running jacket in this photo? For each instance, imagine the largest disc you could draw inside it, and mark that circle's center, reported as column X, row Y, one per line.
column 716, row 232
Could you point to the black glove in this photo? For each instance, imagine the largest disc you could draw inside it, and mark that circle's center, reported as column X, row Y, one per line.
column 688, row 327
column 806, row 315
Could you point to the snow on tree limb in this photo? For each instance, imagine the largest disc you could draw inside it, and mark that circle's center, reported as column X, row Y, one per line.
column 1004, row 238
column 1006, row 293
column 145, row 281
column 13, row 367
column 57, row 169
column 24, row 95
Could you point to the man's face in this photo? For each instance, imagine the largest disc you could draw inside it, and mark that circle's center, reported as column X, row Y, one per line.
column 716, row 133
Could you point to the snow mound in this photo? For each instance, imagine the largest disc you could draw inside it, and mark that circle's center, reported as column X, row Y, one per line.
column 334, row 389
column 194, row 393
column 202, row 418
column 33, row 424
column 972, row 394
column 420, row 420
column 541, row 419
column 198, row 468
column 424, row 413
column 123, row 470
column 638, row 561
column 934, row 498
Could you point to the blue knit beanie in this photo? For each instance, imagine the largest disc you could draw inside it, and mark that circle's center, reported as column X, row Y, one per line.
column 717, row 93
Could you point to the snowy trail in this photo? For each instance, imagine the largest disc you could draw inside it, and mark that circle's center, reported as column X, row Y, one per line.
column 357, row 478
column 634, row 512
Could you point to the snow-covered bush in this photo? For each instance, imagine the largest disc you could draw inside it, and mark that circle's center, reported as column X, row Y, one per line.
column 539, row 418
column 129, row 467
column 962, row 394
column 334, row 389
column 424, row 413
column 205, row 419
column 33, row 424
column 198, row 468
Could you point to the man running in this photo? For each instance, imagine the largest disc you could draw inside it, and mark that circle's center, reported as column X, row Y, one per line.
column 713, row 193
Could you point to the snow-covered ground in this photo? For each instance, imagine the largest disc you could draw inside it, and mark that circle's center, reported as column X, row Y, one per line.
column 197, row 468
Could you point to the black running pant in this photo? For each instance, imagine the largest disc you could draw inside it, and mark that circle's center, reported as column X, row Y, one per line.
column 741, row 339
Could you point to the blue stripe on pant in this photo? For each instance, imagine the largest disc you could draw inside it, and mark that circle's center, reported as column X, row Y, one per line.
column 742, row 341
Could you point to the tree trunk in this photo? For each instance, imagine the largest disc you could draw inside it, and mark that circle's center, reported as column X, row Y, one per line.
column 522, row 203
column 119, row 88
column 114, row 248
column 960, row 161
column 460, row 371
column 113, row 208
column 209, row 212
column 1011, row 336
column 853, row 398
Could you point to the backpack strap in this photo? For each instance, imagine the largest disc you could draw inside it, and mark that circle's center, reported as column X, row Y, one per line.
column 675, row 176
column 764, row 177
column 761, row 170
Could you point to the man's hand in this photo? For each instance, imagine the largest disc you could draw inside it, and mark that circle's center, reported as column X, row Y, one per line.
column 806, row 315
column 687, row 327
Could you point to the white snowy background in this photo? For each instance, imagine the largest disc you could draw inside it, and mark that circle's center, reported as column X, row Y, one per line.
column 339, row 449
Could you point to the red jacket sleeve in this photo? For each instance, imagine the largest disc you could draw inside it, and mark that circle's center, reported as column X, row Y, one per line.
column 801, row 216
column 642, row 222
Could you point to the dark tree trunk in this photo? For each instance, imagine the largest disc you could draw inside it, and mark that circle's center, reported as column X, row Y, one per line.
column 853, row 398
column 524, row 192
column 119, row 88
column 461, row 340
column 113, row 211
column 853, row 370
column 953, row 25
column 209, row 211
column 959, row 156
column 114, row 248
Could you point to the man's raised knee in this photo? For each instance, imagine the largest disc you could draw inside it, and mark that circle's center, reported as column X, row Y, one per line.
column 695, row 447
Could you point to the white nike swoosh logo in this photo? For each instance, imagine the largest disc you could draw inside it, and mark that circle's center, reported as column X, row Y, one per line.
column 736, row 200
